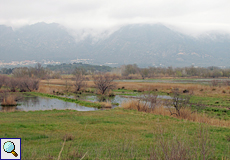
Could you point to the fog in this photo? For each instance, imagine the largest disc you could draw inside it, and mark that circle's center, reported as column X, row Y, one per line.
column 101, row 17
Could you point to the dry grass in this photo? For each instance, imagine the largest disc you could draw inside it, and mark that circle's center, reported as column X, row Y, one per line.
column 9, row 101
column 106, row 104
column 185, row 113
column 68, row 137
column 143, row 86
column 49, row 89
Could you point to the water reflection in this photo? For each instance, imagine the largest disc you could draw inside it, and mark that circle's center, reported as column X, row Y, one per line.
column 118, row 98
column 43, row 103
column 9, row 108
column 114, row 100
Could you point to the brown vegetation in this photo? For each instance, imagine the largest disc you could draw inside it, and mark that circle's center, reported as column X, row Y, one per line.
column 185, row 113
column 178, row 102
column 28, row 84
column 106, row 104
column 79, row 82
column 104, row 82
column 22, row 84
column 8, row 99
column 34, row 72
column 3, row 79
column 198, row 89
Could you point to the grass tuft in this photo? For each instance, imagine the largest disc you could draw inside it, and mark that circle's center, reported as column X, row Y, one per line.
column 68, row 137
column 106, row 104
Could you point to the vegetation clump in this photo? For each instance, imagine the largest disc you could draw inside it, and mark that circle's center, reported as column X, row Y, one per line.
column 8, row 99
column 79, row 82
column 104, row 82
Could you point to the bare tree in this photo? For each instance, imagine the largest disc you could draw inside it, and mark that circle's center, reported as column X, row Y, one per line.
column 27, row 84
column 227, row 83
column 104, row 82
column 178, row 102
column 12, row 84
column 2, row 80
column 152, row 99
column 78, row 71
column 21, row 72
column 130, row 69
column 36, row 72
column 144, row 72
column 214, row 83
column 79, row 82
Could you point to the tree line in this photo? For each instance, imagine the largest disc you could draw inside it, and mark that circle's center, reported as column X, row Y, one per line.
column 128, row 72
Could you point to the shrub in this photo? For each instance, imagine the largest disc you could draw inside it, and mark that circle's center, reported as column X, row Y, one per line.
column 106, row 104
column 104, row 82
column 2, row 80
column 28, row 84
column 12, row 84
column 178, row 102
column 79, row 82
column 68, row 137
column 214, row 83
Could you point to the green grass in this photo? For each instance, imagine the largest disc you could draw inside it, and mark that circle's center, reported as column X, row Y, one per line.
column 115, row 134
column 212, row 101
column 126, row 92
column 83, row 103
column 220, row 113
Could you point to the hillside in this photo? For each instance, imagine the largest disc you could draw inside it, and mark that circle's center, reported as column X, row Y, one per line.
column 145, row 45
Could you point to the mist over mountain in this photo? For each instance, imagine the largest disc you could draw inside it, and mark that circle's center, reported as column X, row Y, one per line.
column 145, row 45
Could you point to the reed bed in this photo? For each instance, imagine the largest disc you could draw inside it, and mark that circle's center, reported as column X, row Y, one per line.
column 185, row 113
column 9, row 101
column 106, row 104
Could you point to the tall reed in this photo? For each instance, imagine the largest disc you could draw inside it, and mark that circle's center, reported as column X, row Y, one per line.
column 9, row 101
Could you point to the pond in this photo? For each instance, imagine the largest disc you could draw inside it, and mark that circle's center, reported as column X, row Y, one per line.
column 118, row 99
column 43, row 103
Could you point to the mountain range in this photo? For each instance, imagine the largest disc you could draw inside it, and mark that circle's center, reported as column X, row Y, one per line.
column 143, row 44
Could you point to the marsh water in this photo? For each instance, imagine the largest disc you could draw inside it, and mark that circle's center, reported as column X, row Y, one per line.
column 42, row 103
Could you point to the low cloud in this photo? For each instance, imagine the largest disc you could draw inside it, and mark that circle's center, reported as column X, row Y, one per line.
column 97, row 16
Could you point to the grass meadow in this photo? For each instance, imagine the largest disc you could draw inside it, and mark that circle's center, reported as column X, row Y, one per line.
column 112, row 134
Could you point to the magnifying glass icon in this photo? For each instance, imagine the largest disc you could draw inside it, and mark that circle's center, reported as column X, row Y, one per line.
column 9, row 147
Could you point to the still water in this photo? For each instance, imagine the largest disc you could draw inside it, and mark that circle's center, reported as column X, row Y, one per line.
column 43, row 103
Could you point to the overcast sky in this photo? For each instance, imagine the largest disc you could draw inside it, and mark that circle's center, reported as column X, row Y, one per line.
column 191, row 16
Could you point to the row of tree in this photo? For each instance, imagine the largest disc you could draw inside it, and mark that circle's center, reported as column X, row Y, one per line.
column 126, row 71
column 210, row 72
column 13, row 84
column 38, row 71
column 70, row 68
column 103, row 82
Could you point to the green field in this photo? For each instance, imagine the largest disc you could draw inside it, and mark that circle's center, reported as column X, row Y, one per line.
column 109, row 134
